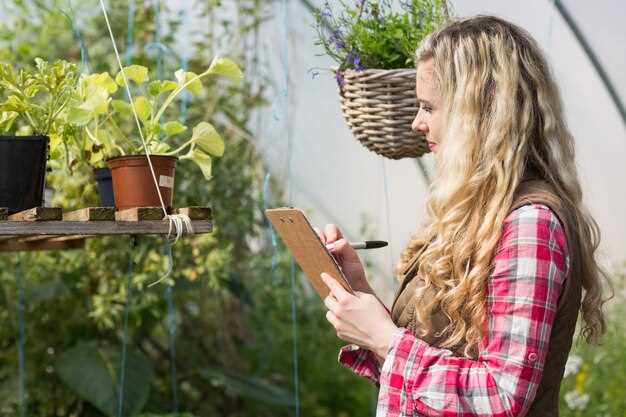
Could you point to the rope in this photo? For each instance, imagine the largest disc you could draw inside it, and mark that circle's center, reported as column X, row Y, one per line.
column 130, row 36
column 171, row 330
column 176, row 220
column 283, row 106
column 129, row 294
column 84, row 58
column 22, row 335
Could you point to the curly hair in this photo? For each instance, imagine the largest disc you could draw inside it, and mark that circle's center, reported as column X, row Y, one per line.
column 502, row 117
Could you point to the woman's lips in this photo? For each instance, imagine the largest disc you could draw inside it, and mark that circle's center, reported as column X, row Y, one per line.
column 431, row 145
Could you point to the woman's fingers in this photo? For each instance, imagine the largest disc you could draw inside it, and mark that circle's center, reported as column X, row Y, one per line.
column 335, row 288
column 331, row 303
column 320, row 234
column 332, row 232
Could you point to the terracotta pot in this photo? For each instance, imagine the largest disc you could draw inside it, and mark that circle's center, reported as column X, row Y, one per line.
column 133, row 184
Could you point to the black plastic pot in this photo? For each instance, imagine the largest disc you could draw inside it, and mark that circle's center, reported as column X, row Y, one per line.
column 105, row 186
column 22, row 171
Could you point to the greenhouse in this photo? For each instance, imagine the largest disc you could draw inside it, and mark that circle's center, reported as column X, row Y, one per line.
column 322, row 208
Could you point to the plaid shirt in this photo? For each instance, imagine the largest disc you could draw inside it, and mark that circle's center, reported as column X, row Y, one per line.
column 530, row 264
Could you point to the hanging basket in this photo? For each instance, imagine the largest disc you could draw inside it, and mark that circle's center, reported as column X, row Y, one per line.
column 379, row 106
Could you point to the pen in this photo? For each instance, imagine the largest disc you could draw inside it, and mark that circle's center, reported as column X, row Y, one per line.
column 368, row 244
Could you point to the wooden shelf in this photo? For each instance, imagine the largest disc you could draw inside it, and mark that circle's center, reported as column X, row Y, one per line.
column 49, row 228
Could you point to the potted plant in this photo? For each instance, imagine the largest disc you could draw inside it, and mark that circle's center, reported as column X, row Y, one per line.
column 373, row 44
column 33, row 115
column 100, row 115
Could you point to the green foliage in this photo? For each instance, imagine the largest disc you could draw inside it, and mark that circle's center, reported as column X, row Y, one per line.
column 94, row 371
column 595, row 376
column 38, row 98
column 103, row 137
column 368, row 34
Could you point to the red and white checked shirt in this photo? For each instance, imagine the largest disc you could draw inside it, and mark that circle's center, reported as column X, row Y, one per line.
column 416, row 379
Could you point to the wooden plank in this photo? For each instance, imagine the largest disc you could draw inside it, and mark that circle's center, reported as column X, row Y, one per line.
column 4, row 212
column 16, row 245
column 66, row 228
column 139, row 213
column 196, row 213
column 38, row 214
column 90, row 214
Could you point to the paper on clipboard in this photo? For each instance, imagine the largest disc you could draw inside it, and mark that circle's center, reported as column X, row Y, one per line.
column 306, row 247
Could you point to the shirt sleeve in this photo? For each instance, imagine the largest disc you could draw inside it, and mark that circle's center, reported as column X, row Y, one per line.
column 529, row 268
column 361, row 361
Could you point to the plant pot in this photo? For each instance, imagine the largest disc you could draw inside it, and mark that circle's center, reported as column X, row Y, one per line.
column 105, row 186
column 22, row 171
column 133, row 184
column 379, row 107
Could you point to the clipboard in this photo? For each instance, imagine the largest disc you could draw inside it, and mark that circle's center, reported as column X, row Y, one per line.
column 298, row 235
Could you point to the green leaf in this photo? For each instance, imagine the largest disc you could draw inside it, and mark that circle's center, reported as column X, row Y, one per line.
column 143, row 108
column 207, row 138
column 136, row 73
column 92, row 372
column 7, row 119
column 121, row 106
column 97, row 101
column 202, row 160
column 103, row 80
column 78, row 116
column 174, row 128
column 227, row 68
column 13, row 104
column 247, row 386
column 157, row 87
column 194, row 87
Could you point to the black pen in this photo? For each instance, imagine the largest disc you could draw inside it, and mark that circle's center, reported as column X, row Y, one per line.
column 368, row 244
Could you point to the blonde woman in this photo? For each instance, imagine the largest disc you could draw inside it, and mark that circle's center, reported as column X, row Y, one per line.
column 492, row 283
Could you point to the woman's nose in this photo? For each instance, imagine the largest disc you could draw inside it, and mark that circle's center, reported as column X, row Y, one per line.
column 419, row 125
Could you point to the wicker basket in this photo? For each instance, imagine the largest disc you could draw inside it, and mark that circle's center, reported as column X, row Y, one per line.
column 379, row 106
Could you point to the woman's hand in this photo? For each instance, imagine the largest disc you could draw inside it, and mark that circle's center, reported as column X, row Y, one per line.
column 360, row 318
column 345, row 256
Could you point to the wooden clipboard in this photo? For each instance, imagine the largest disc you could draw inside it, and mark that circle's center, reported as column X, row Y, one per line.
column 306, row 247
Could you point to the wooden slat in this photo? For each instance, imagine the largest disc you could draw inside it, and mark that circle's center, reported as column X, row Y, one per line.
column 90, row 214
column 139, row 213
column 196, row 213
column 38, row 214
column 65, row 228
column 4, row 212
column 16, row 245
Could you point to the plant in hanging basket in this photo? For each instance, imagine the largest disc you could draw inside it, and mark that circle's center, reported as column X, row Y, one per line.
column 104, row 138
column 374, row 45
column 33, row 117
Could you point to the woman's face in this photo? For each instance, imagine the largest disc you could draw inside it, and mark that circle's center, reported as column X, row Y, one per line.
column 428, row 118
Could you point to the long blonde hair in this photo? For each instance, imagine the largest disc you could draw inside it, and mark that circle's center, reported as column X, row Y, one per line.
column 502, row 116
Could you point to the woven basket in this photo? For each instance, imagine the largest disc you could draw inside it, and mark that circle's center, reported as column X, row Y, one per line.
column 379, row 106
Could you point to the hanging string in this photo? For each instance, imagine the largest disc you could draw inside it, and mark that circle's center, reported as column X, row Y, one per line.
column 283, row 107
column 171, row 329
column 129, row 297
column 130, row 34
column 179, row 221
column 19, row 281
column 74, row 24
column 270, row 230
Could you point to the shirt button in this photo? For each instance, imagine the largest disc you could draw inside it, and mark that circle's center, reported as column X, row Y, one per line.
column 532, row 357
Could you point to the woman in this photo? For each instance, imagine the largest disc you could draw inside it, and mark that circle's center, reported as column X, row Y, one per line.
column 492, row 283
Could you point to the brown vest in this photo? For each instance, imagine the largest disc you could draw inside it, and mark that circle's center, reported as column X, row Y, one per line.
column 546, row 402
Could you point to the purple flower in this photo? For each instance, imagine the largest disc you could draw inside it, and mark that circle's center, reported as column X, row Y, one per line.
column 336, row 39
column 340, row 79
column 354, row 59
